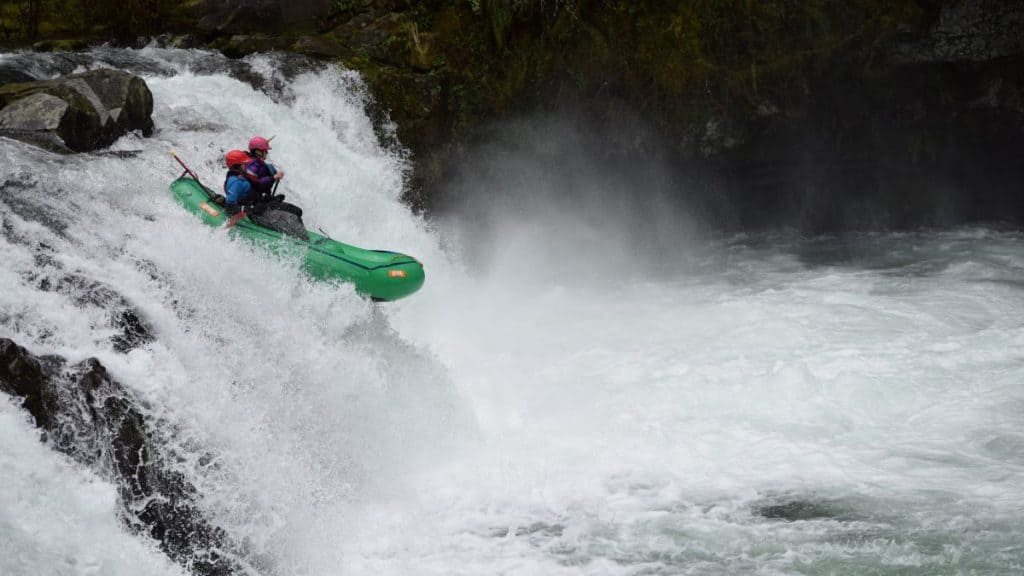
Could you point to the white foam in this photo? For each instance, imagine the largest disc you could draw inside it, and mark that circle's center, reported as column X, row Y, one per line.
column 536, row 418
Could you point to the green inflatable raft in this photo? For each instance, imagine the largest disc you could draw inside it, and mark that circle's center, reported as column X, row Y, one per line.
column 378, row 274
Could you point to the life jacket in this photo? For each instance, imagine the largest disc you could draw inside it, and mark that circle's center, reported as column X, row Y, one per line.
column 247, row 198
column 260, row 175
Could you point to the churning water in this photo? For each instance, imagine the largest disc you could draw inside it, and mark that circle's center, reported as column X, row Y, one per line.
column 756, row 405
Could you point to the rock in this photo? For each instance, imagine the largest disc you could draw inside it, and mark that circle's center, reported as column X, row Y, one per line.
column 294, row 11
column 240, row 15
column 36, row 119
column 127, row 99
column 390, row 39
column 322, row 46
column 22, row 376
column 36, row 112
column 970, row 31
column 132, row 330
column 80, row 112
column 242, row 44
column 406, row 98
column 260, row 16
column 91, row 417
column 9, row 74
column 179, row 41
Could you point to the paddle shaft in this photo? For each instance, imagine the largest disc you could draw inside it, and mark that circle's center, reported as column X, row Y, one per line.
column 192, row 174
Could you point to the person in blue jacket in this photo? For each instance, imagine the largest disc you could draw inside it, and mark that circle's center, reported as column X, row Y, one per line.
column 238, row 191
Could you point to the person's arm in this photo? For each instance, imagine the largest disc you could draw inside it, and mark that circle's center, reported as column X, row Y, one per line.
column 252, row 176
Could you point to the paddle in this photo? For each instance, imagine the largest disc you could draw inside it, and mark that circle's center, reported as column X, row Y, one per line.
column 235, row 219
column 189, row 172
column 212, row 198
column 209, row 196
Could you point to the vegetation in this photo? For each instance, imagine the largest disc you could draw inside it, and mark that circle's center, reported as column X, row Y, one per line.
column 440, row 68
column 121, row 20
column 682, row 64
column 491, row 55
column 731, row 50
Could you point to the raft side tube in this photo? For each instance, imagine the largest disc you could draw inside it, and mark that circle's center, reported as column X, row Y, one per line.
column 380, row 274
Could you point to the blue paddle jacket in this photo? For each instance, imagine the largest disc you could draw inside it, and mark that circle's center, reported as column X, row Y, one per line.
column 237, row 188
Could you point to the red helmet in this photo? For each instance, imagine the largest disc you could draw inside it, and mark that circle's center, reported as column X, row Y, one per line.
column 259, row 143
column 236, row 157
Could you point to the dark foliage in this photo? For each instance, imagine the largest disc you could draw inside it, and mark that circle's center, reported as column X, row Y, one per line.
column 121, row 20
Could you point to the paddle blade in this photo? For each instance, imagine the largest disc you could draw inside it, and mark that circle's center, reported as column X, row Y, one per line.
column 234, row 220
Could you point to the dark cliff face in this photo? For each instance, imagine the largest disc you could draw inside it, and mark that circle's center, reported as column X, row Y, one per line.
column 823, row 114
column 824, row 117
column 969, row 31
column 929, row 134
column 261, row 16
column 924, row 143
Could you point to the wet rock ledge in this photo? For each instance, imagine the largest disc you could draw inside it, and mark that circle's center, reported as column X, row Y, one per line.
column 86, row 414
column 76, row 113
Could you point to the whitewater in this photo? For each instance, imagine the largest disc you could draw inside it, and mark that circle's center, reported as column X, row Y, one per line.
column 585, row 384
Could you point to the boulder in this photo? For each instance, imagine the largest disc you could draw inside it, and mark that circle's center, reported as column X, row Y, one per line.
column 37, row 119
column 78, row 113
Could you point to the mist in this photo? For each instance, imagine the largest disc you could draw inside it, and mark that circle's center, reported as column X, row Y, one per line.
column 551, row 198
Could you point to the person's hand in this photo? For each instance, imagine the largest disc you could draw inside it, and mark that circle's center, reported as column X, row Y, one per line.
column 279, row 175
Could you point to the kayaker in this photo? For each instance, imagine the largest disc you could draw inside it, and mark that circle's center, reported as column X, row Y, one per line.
column 237, row 189
column 242, row 200
column 239, row 192
column 263, row 176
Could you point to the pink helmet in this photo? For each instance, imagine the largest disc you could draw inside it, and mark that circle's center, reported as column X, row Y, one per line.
column 259, row 143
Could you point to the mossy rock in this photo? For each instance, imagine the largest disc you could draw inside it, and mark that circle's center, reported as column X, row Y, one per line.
column 79, row 112
column 409, row 95
column 241, row 45
column 392, row 39
column 322, row 46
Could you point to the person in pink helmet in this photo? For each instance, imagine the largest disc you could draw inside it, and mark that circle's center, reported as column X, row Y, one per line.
column 263, row 177
column 261, row 174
